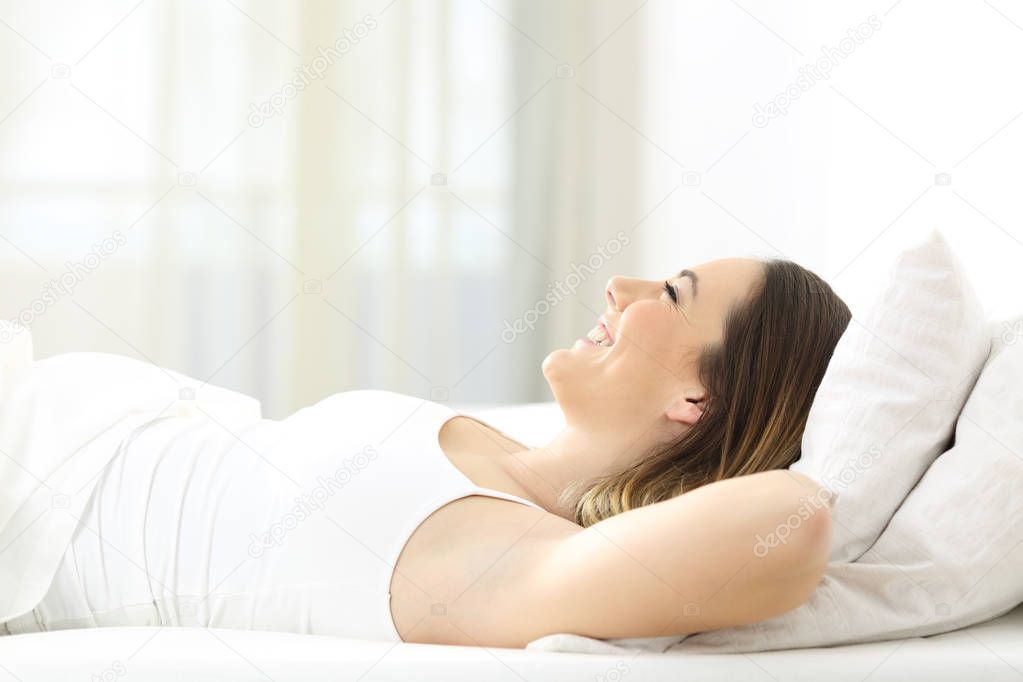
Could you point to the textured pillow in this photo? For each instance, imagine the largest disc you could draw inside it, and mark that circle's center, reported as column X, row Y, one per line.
column 894, row 387
column 952, row 555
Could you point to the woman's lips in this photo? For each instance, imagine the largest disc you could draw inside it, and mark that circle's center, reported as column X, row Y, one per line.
column 607, row 330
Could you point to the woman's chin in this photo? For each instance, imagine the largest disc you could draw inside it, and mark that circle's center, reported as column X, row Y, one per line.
column 555, row 357
column 551, row 362
column 561, row 363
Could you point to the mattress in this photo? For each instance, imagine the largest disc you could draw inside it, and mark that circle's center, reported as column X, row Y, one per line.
column 988, row 651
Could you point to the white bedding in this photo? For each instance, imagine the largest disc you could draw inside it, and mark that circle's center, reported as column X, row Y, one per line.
column 989, row 652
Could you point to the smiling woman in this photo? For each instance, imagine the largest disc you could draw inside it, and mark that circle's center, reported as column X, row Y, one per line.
column 705, row 376
column 394, row 518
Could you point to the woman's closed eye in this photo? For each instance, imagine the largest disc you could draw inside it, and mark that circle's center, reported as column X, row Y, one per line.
column 672, row 291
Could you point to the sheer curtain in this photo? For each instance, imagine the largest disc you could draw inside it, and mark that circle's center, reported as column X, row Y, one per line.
column 297, row 199
column 125, row 124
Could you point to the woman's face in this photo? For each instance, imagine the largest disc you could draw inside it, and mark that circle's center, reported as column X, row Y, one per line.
column 640, row 375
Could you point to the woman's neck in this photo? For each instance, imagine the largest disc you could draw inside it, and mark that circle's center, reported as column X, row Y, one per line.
column 567, row 464
column 571, row 460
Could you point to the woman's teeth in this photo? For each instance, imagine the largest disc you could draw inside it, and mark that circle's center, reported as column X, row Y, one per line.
column 599, row 336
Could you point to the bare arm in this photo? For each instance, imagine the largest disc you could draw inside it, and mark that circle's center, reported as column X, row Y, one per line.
column 697, row 562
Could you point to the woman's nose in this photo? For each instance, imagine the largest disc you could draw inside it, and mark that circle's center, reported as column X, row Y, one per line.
column 620, row 292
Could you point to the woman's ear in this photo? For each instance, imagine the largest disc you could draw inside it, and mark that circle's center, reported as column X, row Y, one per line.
column 686, row 410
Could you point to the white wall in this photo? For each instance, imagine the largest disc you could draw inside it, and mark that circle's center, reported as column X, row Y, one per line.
column 848, row 173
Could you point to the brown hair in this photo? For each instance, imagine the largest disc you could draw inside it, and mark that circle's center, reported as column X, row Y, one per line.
column 760, row 378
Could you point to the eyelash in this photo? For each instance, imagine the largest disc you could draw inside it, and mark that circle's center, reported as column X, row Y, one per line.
column 672, row 292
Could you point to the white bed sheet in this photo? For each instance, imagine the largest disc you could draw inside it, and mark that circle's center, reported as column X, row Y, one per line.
column 989, row 651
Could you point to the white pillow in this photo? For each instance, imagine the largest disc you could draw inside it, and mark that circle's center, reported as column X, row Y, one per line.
column 892, row 392
column 952, row 555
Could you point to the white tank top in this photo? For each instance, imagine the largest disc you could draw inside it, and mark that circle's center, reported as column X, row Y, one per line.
column 292, row 525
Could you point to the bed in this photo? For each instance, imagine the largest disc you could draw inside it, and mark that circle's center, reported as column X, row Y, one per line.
column 988, row 651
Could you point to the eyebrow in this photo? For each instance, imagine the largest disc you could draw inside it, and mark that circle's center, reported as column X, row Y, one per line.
column 692, row 278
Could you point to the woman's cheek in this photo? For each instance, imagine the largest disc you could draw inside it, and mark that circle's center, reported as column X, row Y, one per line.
column 632, row 373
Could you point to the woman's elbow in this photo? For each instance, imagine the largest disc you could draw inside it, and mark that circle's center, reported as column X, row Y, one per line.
column 803, row 543
column 815, row 549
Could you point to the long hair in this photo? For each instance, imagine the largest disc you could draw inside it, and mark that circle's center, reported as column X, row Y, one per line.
column 761, row 378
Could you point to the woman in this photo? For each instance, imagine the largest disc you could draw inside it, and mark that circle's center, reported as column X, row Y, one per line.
column 377, row 515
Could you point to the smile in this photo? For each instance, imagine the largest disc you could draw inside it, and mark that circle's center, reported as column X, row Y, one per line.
column 601, row 336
